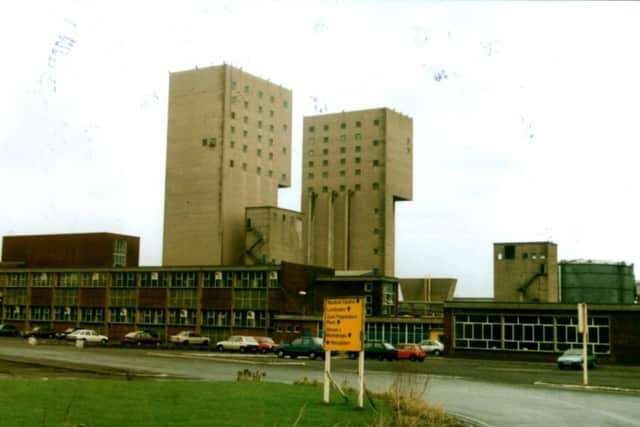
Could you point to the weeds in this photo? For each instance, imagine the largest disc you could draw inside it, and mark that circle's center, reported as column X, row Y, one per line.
column 248, row 375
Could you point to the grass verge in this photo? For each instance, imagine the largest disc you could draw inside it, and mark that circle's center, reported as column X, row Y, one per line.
column 94, row 403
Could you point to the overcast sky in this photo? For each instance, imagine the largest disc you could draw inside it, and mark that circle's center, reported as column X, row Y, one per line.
column 525, row 114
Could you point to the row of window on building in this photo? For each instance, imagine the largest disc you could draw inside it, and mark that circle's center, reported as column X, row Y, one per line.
column 343, row 188
column 343, row 125
column 175, row 279
column 246, row 90
column 540, row 333
column 147, row 316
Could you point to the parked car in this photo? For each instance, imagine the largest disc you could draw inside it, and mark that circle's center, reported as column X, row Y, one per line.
column 239, row 343
column 140, row 338
column 266, row 344
column 87, row 335
column 189, row 338
column 433, row 347
column 62, row 335
column 9, row 331
column 572, row 358
column 40, row 332
column 376, row 350
column 303, row 346
column 410, row 351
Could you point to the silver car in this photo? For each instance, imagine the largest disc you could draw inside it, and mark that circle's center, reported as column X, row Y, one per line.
column 572, row 358
column 432, row 347
column 239, row 343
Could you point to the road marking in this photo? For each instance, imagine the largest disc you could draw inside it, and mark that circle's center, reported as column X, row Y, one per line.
column 588, row 387
column 225, row 358
column 471, row 420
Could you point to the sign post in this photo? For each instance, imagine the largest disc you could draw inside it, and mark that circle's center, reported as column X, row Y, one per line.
column 343, row 331
column 583, row 328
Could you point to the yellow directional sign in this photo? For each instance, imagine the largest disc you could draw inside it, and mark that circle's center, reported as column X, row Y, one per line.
column 343, row 323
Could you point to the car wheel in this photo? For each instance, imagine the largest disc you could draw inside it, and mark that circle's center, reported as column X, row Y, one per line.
column 139, row 343
column 436, row 353
column 220, row 347
column 412, row 358
column 560, row 366
column 312, row 355
column 103, row 341
column 185, row 343
column 242, row 349
column 280, row 354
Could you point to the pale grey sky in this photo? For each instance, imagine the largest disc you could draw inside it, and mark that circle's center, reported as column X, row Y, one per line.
column 525, row 114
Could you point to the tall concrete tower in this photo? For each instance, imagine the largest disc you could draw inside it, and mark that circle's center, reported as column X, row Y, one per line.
column 228, row 148
column 356, row 165
column 525, row 272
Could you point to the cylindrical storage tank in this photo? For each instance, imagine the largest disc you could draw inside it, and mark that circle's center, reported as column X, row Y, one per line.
column 597, row 282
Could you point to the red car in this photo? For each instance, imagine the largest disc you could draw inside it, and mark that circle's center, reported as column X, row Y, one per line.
column 410, row 351
column 266, row 344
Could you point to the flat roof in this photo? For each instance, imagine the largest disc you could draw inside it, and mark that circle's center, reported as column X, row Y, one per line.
column 533, row 306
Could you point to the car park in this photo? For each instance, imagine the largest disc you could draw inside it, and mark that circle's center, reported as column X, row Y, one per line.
column 189, row 338
column 87, row 335
column 303, row 346
column 572, row 358
column 432, row 347
column 40, row 332
column 9, row 331
column 410, row 351
column 377, row 350
column 239, row 343
column 266, row 344
column 140, row 338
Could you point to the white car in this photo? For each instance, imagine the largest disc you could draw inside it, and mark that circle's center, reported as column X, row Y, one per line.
column 433, row 347
column 87, row 335
column 239, row 343
column 189, row 338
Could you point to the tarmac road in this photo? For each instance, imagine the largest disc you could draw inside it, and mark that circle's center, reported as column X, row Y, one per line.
column 488, row 392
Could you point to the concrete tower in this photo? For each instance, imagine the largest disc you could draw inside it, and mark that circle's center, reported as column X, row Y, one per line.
column 228, row 148
column 525, row 272
column 356, row 165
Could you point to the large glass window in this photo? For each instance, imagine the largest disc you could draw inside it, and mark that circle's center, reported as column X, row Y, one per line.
column 93, row 280
column 14, row 312
column 120, row 253
column 182, row 316
column 216, row 318
column 92, row 314
column 183, row 279
column 124, row 279
column 153, row 279
column 66, row 313
column 122, row 298
column 217, row 279
column 17, row 280
column 542, row 333
column 69, row 280
column 43, row 280
column 249, row 299
column 151, row 316
column 122, row 314
column 249, row 319
column 40, row 313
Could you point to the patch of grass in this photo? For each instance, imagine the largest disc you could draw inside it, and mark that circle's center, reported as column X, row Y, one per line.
column 95, row 403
